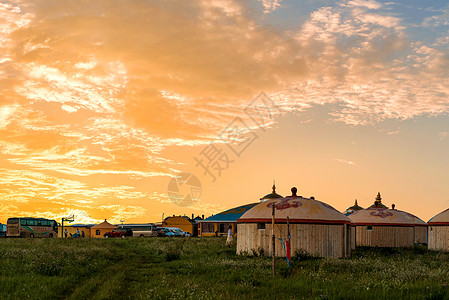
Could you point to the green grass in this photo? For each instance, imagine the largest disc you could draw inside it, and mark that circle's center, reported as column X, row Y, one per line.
column 195, row 268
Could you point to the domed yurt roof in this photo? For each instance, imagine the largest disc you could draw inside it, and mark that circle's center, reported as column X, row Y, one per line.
column 385, row 216
column 297, row 208
column 273, row 195
column 378, row 202
column 352, row 209
column 440, row 219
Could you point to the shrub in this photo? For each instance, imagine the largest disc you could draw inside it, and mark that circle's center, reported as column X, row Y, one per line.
column 301, row 254
column 258, row 252
column 172, row 255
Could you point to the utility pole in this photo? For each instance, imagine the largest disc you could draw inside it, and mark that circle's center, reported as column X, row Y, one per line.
column 273, row 239
column 289, row 245
column 67, row 219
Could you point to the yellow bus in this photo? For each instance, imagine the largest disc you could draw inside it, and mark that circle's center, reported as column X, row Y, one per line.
column 31, row 227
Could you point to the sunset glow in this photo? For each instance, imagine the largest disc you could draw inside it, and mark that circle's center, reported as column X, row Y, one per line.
column 103, row 102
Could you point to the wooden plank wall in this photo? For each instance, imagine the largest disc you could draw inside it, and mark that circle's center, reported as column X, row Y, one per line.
column 316, row 239
column 385, row 236
column 353, row 239
column 421, row 234
column 439, row 238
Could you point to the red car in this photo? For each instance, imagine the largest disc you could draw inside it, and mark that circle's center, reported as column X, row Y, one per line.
column 119, row 232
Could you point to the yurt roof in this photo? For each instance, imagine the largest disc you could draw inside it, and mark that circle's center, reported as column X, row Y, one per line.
column 298, row 209
column 105, row 225
column 385, row 216
column 440, row 219
column 230, row 215
column 272, row 195
column 378, row 202
column 352, row 209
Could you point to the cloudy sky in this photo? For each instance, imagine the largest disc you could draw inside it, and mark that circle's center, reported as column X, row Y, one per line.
column 103, row 103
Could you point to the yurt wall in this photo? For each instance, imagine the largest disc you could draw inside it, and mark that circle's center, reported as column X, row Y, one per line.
column 385, row 236
column 353, row 237
column 323, row 240
column 439, row 237
column 439, row 231
column 421, row 234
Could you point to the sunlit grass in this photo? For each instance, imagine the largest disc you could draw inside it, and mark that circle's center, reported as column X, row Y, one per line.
column 195, row 268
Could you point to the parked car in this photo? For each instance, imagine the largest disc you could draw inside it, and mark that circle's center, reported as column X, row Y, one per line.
column 178, row 232
column 2, row 230
column 164, row 231
column 119, row 232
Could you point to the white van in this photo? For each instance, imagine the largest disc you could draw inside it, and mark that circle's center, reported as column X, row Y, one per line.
column 140, row 230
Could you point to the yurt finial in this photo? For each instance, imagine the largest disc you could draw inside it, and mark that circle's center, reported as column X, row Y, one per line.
column 271, row 195
column 294, row 191
column 379, row 198
column 393, row 206
column 355, row 203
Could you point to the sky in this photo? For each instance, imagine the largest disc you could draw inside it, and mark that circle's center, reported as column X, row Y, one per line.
column 135, row 110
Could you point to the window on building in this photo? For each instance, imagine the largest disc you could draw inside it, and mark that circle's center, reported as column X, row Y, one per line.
column 369, row 227
column 207, row 227
column 260, row 225
column 97, row 232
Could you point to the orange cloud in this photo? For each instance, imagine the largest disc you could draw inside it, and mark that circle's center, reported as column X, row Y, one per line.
column 96, row 91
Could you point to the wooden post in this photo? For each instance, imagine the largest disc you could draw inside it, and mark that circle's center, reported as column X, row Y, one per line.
column 68, row 219
column 273, row 239
column 288, row 231
column 62, row 228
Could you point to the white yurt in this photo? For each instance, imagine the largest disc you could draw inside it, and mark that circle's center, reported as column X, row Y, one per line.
column 439, row 231
column 315, row 227
column 378, row 226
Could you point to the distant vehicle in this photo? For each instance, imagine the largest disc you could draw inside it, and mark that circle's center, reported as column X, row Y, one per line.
column 2, row 230
column 31, row 227
column 172, row 231
column 164, row 231
column 141, row 230
column 178, row 231
column 119, row 232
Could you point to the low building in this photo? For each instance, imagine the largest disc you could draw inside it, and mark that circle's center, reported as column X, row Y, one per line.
column 439, row 231
column 378, row 226
column 315, row 227
column 218, row 224
column 184, row 223
column 84, row 230
column 98, row 231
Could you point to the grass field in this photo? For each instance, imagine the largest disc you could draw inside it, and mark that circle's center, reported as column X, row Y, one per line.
column 204, row 268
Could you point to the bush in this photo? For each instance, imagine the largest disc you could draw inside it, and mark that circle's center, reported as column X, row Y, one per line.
column 258, row 252
column 172, row 255
column 301, row 254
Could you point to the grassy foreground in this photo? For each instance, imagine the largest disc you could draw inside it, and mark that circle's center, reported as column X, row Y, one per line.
column 195, row 268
